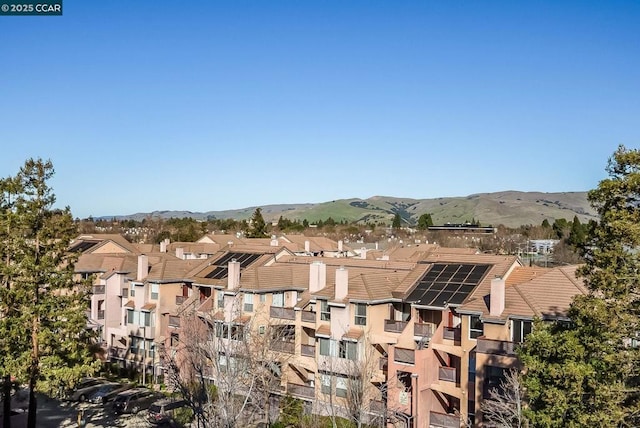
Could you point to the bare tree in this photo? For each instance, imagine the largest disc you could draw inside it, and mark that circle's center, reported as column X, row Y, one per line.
column 503, row 408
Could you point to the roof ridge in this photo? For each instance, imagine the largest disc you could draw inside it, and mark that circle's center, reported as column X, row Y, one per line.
column 525, row 298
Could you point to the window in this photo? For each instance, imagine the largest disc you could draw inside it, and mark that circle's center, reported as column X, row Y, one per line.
column 348, row 350
column 475, row 327
column 262, row 329
column 341, row 386
column 278, row 300
column 263, row 298
column 248, row 302
column 493, row 377
column 325, row 381
column 133, row 290
column 325, row 346
column 220, row 300
column 130, row 316
column 325, row 312
column 519, row 330
column 472, row 366
column 155, row 289
column 125, row 293
column 361, row 314
column 146, row 318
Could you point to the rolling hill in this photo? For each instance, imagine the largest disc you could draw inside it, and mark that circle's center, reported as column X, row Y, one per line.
column 510, row 208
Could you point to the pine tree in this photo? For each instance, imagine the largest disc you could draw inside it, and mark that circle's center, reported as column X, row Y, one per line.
column 585, row 373
column 258, row 227
column 43, row 324
column 425, row 221
column 397, row 222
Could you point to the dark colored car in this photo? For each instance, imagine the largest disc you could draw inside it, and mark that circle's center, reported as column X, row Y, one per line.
column 134, row 400
column 162, row 411
column 108, row 392
column 85, row 388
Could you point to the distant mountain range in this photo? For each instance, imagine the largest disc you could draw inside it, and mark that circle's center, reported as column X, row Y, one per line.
column 510, row 208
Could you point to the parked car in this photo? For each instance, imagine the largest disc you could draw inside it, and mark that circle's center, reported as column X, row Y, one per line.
column 108, row 392
column 134, row 400
column 162, row 411
column 85, row 388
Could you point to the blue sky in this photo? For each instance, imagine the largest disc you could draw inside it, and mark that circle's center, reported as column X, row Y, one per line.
column 211, row 105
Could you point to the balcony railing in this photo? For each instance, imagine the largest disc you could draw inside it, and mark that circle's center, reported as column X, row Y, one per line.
column 423, row 329
column 181, row 299
column 451, row 333
column 447, row 374
column 444, row 420
column 118, row 352
column 101, row 314
column 174, row 321
column 301, row 390
column 98, row 289
column 308, row 350
column 282, row 313
column 496, row 347
column 308, row 316
column 283, row 346
column 393, row 326
column 401, row 355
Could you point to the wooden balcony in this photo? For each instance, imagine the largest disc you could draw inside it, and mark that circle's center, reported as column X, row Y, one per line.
column 496, row 347
column 406, row 356
column 308, row 316
column 303, row 391
column 308, row 350
column 283, row 346
column 451, row 333
column 98, row 289
column 393, row 326
column 444, row 420
column 424, row 329
column 282, row 313
column 447, row 374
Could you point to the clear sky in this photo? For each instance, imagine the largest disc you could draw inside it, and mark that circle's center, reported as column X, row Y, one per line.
column 211, row 105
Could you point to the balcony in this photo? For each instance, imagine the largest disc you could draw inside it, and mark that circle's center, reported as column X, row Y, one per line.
column 496, row 347
column 393, row 326
column 451, row 333
column 308, row 350
column 283, row 346
column 120, row 353
column 101, row 314
column 406, row 356
column 98, row 289
column 282, row 313
column 174, row 321
column 444, row 420
column 424, row 329
column 301, row 390
column 181, row 299
column 308, row 316
column 447, row 374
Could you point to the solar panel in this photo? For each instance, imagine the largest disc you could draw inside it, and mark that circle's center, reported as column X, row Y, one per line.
column 447, row 284
column 245, row 259
column 219, row 272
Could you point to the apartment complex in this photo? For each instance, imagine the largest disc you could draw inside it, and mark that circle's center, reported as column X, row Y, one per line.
column 425, row 330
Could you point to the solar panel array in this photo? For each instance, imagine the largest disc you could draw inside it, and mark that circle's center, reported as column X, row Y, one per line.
column 221, row 270
column 447, row 284
column 83, row 246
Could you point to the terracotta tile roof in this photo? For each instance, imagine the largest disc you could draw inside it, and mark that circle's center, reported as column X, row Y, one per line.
column 148, row 306
column 172, row 270
column 525, row 273
column 130, row 304
column 547, row 295
column 219, row 316
column 242, row 319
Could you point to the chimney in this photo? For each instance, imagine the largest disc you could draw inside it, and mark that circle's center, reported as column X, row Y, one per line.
column 363, row 253
column 342, row 283
column 497, row 297
column 163, row 247
column 317, row 277
column 307, row 246
column 233, row 278
column 143, row 267
column 274, row 242
column 340, row 246
column 180, row 253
